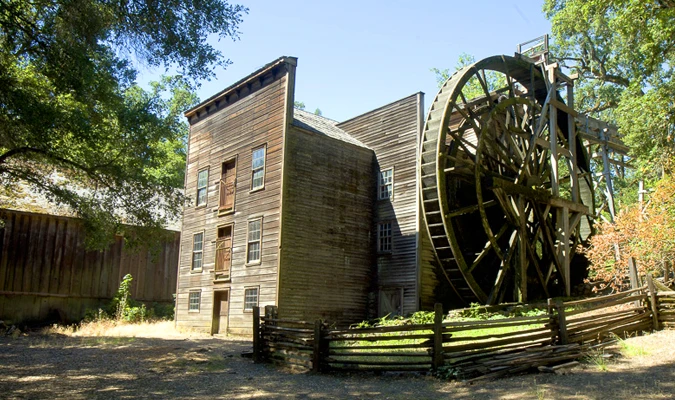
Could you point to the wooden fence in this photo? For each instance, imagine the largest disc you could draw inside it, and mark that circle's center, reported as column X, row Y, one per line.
column 469, row 349
column 46, row 271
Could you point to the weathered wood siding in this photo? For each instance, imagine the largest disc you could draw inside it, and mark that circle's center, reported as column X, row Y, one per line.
column 326, row 269
column 44, row 267
column 392, row 131
column 254, row 118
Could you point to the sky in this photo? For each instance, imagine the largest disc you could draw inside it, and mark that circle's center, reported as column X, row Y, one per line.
column 355, row 56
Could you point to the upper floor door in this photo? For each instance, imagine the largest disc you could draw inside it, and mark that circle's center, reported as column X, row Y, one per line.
column 227, row 186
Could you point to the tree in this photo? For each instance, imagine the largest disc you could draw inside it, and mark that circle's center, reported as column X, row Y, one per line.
column 623, row 52
column 299, row 105
column 644, row 232
column 73, row 123
column 472, row 89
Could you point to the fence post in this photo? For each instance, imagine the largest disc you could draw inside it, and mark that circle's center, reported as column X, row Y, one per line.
column 437, row 357
column 316, row 356
column 562, row 322
column 652, row 298
column 633, row 276
column 552, row 321
column 256, row 334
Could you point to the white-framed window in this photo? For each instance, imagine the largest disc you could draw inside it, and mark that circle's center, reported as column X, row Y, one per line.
column 194, row 300
column 258, row 168
column 386, row 184
column 202, row 186
column 197, row 251
column 254, row 241
column 250, row 298
column 384, row 237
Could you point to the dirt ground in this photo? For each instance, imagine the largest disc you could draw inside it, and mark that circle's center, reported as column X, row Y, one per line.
column 160, row 363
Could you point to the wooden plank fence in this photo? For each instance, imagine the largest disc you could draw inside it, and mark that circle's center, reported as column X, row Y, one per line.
column 472, row 349
column 46, row 270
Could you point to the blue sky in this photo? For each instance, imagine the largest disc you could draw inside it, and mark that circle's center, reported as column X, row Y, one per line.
column 354, row 56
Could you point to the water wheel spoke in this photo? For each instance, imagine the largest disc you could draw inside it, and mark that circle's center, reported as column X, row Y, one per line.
column 487, row 248
column 503, row 268
column 469, row 209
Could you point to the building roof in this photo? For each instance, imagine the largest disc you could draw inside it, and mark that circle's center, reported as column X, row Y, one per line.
column 261, row 71
column 323, row 126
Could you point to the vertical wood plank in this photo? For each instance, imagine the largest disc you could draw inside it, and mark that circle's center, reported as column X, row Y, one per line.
column 316, row 354
column 562, row 322
column 437, row 360
column 256, row 334
column 652, row 302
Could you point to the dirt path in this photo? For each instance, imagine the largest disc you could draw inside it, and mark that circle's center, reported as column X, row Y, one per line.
column 199, row 367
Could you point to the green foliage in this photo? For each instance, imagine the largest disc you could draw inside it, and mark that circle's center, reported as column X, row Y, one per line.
column 75, row 127
column 472, row 88
column 123, row 307
column 623, row 53
column 299, row 105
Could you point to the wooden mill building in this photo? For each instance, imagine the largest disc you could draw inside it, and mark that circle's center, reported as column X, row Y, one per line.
column 296, row 210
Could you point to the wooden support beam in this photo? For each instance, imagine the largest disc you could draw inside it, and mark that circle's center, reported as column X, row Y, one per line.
column 552, row 129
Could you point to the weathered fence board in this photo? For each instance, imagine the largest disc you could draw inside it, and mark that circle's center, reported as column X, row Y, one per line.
column 565, row 333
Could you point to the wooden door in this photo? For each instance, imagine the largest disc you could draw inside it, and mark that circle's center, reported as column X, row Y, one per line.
column 221, row 308
column 224, row 251
column 227, row 186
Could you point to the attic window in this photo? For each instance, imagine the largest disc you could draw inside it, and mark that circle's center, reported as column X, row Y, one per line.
column 386, row 184
column 202, row 183
column 258, row 168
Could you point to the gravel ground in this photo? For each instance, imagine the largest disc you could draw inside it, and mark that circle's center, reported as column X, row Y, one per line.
column 199, row 367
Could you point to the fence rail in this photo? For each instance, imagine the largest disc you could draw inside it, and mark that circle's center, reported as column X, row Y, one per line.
column 472, row 349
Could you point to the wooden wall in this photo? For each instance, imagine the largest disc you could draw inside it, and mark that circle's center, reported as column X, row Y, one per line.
column 256, row 117
column 326, row 269
column 45, row 267
column 392, row 131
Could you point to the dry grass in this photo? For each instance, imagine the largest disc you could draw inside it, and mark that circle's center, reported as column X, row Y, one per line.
column 119, row 329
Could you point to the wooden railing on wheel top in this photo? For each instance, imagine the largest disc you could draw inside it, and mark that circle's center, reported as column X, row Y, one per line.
column 474, row 349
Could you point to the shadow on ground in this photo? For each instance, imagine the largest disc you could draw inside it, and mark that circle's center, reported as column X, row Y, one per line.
column 126, row 368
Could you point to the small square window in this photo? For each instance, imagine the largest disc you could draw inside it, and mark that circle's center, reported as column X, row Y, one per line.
column 258, row 168
column 386, row 184
column 250, row 298
column 202, row 186
column 195, row 300
column 254, row 241
column 384, row 237
column 197, row 251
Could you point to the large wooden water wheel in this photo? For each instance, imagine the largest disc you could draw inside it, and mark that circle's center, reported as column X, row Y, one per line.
column 505, row 188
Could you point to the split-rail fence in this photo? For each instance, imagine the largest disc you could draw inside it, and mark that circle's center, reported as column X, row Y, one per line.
column 475, row 349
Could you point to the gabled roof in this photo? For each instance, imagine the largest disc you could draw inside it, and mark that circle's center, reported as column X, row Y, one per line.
column 323, row 126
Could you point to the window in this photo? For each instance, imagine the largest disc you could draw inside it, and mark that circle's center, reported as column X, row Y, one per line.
column 197, row 251
column 258, row 168
column 384, row 237
column 253, row 244
column 250, row 298
column 202, row 184
column 195, row 300
column 386, row 184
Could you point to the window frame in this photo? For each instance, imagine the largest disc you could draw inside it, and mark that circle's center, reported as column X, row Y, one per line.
column 381, row 184
column 263, row 167
column 193, row 251
column 205, row 188
column 257, row 297
column 249, row 241
column 198, row 292
column 390, row 236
